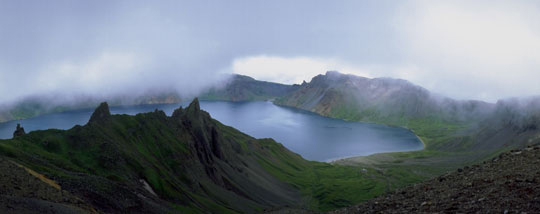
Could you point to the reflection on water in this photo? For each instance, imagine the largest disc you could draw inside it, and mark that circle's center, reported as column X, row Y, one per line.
column 310, row 135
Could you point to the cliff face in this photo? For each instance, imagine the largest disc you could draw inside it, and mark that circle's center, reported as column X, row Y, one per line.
column 378, row 100
column 188, row 159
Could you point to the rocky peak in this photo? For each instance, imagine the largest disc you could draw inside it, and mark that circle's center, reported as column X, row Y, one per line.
column 101, row 113
column 19, row 131
column 194, row 107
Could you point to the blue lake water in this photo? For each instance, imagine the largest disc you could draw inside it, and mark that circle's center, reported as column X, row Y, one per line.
column 308, row 134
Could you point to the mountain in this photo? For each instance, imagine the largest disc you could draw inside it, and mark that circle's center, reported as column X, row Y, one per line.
column 381, row 100
column 147, row 162
column 186, row 162
column 244, row 88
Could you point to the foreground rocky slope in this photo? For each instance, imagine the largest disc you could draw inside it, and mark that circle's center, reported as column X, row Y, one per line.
column 509, row 183
column 23, row 191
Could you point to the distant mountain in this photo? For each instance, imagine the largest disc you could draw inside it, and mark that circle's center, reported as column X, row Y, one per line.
column 514, row 122
column 35, row 105
column 244, row 88
column 383, row 100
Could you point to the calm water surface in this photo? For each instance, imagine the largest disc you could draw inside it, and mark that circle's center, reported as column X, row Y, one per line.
column 310, row 135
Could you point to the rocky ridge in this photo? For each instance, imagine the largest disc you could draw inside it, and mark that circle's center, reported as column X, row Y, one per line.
column 147, row 162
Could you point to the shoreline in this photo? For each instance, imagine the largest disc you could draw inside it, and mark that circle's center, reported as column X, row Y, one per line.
column 334, row 161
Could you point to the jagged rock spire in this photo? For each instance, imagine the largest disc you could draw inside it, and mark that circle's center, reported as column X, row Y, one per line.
column 194, row 106
column 101, row 113
column 19, row 131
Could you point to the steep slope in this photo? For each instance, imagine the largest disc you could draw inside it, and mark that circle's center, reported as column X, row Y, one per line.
column 508, row 183
column 187, row 162
column 244, row 88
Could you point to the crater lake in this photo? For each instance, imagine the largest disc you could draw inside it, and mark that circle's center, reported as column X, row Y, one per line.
column 313, row 136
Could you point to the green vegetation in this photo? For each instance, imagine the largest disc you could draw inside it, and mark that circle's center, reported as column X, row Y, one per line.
column 330, row 186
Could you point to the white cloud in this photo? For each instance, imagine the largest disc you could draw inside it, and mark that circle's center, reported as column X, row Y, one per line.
column 290, row 70
column 473, row 49
column 108, row 74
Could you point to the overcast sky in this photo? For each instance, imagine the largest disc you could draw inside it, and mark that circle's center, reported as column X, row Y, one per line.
column 463, row 49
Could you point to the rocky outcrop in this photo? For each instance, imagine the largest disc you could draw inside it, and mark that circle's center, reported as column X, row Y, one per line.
column 101, row 113
column 19, row 131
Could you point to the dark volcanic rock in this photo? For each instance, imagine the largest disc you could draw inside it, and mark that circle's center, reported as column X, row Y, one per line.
column 101, row 113
column 21, row 192
column 19, row 131
column 509, row 183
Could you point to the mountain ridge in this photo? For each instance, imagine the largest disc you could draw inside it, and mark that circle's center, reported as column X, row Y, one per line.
column 385, row 100
column 245, row 88
column 98, row 156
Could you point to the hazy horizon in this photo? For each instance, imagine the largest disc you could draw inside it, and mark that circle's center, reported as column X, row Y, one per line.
column 484, row 50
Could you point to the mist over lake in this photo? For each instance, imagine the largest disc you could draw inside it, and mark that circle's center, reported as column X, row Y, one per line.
column 308, row 134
